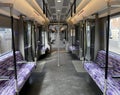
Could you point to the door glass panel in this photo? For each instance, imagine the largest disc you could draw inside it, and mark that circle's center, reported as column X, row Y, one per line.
column 114, row 35
column 88, row 40
column 5, row 40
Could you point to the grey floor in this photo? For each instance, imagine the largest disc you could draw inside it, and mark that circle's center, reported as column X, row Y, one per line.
column 68, row 79
column 49, row 79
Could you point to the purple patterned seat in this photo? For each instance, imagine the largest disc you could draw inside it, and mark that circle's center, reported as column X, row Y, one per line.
column 7, row 87
column 23, row 72
column 100, row 58
column 29, row 66
column 98, row 74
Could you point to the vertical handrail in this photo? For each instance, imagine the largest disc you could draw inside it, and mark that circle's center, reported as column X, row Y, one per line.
column 46, row 10
column 71, row 10
column 58, row 42
column 107, row 48
column 84, row 39
column 13, row 47
column 43, row 2
column 35, row 46
column 74, row 6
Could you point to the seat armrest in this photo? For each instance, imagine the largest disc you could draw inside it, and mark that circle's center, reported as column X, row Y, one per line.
column 2, row 78
column 110, row 67
column 115, row 76
column 21, row 62
column 11, row 68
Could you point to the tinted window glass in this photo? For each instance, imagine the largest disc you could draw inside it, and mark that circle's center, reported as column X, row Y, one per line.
column 5, row 40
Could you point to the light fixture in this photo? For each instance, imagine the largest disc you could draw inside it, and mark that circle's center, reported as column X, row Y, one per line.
column 58, row 0
column 58, row 10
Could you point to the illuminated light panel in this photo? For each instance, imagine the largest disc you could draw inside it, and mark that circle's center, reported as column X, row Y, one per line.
column 58, row 10
column 58, row 0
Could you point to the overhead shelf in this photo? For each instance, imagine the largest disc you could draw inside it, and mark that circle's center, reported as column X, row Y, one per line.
column 26, row 9
column 35, row 5
column 3, row 12
column 82, row 4
column 94, row 6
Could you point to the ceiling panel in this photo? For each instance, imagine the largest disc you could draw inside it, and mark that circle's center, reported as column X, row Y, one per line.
column 54, row 7
column 62, row 17
column 78, row 2
column 51, row 3
column 64, row 10
column 66, row 2
column 53, row 10
column 54, row 16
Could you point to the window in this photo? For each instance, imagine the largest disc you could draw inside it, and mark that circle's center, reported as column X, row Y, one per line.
column 43, row 37
column 87, row 44
column 72, row 32
column 5, row 40
column 114, row 36
column 72, row 36
column 88, row 34
column 27, row 35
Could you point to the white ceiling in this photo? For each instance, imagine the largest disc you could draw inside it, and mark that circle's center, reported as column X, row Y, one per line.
column 56, row 8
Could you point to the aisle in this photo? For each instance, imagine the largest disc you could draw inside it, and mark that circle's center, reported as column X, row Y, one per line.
column 49, row 79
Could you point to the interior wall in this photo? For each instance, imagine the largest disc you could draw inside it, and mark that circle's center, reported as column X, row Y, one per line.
column 92, row 39
column 5, row 22
column 67, row 31
column 40, row 34
column 102, row 33
column 69, row 35
column 21, row 36
column 97, row 35
column 33, row 40
column 37, row 34
column 76, row 34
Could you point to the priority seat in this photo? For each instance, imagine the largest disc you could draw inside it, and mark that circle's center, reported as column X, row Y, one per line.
column 97, row 72
column 24, row 70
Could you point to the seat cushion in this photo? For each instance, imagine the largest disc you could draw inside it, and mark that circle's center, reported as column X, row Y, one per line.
column 98, row 75
column 101, row 59
column 7, row 87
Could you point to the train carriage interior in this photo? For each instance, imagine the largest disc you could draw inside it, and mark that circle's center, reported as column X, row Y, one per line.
column 59, row 47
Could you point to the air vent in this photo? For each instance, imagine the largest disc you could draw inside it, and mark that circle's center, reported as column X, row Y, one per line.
column 66, row 2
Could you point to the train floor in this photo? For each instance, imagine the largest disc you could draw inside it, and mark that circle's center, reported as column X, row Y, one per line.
column 49, row 79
